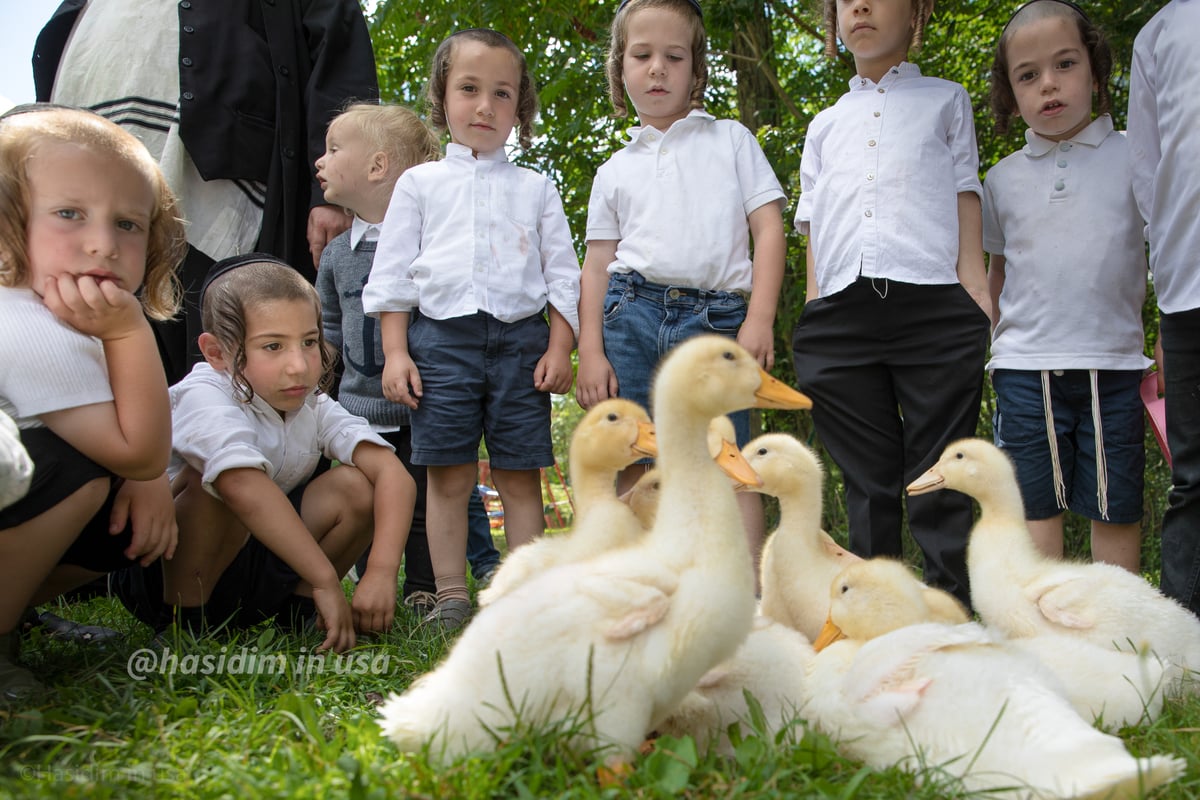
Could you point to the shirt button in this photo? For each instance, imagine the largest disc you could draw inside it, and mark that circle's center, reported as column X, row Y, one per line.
column 664, row 151
column 1064, row 146
column 880, row 90
column 189, row 96
column 185, row 4
column 289, row 152
column 1060, row 185
column 877, row 113
column 870, row 176
column 187, row 62
column 868, row 213
column 283, row 70
column 188, row 29
column 1062, row 163
column 870, row 143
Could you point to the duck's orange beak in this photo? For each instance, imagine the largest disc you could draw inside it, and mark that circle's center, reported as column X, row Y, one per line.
column 829, row 634
column 646, row 443
column 734, row 464
column 930, row 481
column 774, row 393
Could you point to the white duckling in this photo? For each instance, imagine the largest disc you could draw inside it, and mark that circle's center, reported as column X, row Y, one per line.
column 938, row 700
column 617, row 640
column 612, row 435
column 642, row 499
column 1021, row 592
column 799, row 559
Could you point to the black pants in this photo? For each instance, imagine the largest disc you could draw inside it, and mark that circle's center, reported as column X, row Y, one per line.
column 1180, row 336
column 895, row 372
column 177, row 338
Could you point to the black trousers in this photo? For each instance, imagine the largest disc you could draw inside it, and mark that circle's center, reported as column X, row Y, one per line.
column 178, row 338
column 895, row 371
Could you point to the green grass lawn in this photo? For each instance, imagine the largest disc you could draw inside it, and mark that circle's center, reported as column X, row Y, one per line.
column 117, row 726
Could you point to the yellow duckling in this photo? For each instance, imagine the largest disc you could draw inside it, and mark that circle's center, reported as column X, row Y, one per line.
column 954, row 700
column 1022, row 593
column 799, row 560
column 642, row 499
column 612, row 435
column 621, row 637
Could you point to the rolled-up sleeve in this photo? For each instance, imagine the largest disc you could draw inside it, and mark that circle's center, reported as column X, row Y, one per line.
column 339, row 431
column 391, row 286
column 213, row 437
column 560, row 264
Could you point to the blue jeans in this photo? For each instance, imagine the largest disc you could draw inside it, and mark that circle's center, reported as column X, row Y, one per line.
column 1180, row 337
column 482, row 554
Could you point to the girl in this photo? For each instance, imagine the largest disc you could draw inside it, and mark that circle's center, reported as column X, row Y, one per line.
column 481, row 249
column 891, row 342
column 86, row 221
column 261, row 534
column 1066, row 374
column 670, row 221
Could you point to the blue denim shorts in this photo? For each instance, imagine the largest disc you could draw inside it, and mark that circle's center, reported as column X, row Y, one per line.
column 1020, row 430
column 477, row 377
column 643, row 321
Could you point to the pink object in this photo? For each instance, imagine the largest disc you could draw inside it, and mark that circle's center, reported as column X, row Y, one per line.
column 1156, row 410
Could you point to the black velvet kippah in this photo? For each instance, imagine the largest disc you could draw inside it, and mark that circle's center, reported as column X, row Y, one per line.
column 226, row 265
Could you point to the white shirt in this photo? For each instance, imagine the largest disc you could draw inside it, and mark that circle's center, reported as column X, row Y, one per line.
column 678, row 202
column 45, row 364
column 880, row 176
column 213, row 432
column 363, row 231
column 1063, row 216
column 468, row 234
column 1164, row 140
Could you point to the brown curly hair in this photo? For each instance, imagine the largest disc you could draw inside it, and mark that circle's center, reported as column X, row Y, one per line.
column 922, row 10
column 618, row 40
column 435, row 91
column 21, row 137
column 228, row 299
column 1004, row 101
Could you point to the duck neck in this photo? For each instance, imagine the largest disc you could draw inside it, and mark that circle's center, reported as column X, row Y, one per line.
column 696, row 503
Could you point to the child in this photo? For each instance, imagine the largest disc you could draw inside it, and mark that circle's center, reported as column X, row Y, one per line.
column 481, row 249
column 259, row 533
column 1164, row 115
column 670, row 221
column 367, row 148
column 1060, row 221
column 86, row 221
column 891, row 342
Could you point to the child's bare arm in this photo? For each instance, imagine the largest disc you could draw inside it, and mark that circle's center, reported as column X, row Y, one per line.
column 265, row 511
column 596, row 380
column 757, row 333
column 131, row 435
column 811, row 288
column 995, row 282
column 971, row 272
column 149, row 506
column 374, row 602
column 401, row 381
column 553, row 371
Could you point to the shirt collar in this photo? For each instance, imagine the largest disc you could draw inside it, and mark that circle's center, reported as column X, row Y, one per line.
column 360, row 229
column 638, row 131
column 454, row 150
column 1093, row 136
column 902, row 70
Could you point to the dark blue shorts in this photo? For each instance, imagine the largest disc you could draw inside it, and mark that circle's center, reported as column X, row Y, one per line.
column 643, row 321
column 477, row 377
column 1020, row 430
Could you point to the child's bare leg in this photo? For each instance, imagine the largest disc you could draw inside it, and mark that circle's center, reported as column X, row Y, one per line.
column 754, row 520
column 1047, row 535
column 338, row 510
column 524, row 515
column 446, row 527
column 63, row 578
column 1118, row 544
column 210, row 536
column 30, row 551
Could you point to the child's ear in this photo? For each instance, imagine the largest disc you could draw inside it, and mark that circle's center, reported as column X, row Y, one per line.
column 378, row 170
column 213, row 353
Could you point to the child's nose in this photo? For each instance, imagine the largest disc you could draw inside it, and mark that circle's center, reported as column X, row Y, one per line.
column 102, row 240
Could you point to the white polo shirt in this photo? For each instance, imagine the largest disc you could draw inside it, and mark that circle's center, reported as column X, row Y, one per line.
column 1063, row 216
column 678, row 202
column 468, row 234
column 213, row 432
column 1164, row 141
column 880, row 176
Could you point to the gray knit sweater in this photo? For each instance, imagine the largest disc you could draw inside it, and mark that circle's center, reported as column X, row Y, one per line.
column 340, row 282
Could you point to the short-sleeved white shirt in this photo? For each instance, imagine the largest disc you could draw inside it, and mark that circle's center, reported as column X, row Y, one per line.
column 1063, row 216
column 468, row 234
column 1164, row 141
column 677, row 202
column 214, row 432
column 880, row 176
column 45, row 364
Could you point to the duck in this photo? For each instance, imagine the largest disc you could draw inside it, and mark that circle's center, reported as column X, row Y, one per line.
column 612, row 435
column 615, row 642
column 954, row 701
column 642, row 497
column 1022, row 593
column 799, row 559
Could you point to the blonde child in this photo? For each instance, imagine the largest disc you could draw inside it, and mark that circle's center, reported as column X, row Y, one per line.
column 1060, row 221
column 475, row 254
column 86, row 220
column 262, row 530
column 891, row 342
column 1164, row 116
column 670, row 222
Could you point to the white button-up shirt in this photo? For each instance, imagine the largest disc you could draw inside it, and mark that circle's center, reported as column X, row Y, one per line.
column 1164, row 141
column 678, row 202
column 880, row 177
column 468, row 234
column 363, row 231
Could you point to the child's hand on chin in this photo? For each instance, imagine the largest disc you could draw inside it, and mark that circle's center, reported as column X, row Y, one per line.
column 96, row 307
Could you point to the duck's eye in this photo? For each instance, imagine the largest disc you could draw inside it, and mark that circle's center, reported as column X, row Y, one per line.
column 845, row 588
column 762, row 451
column 612, row 417
column 729, row 356
column 960, row 455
